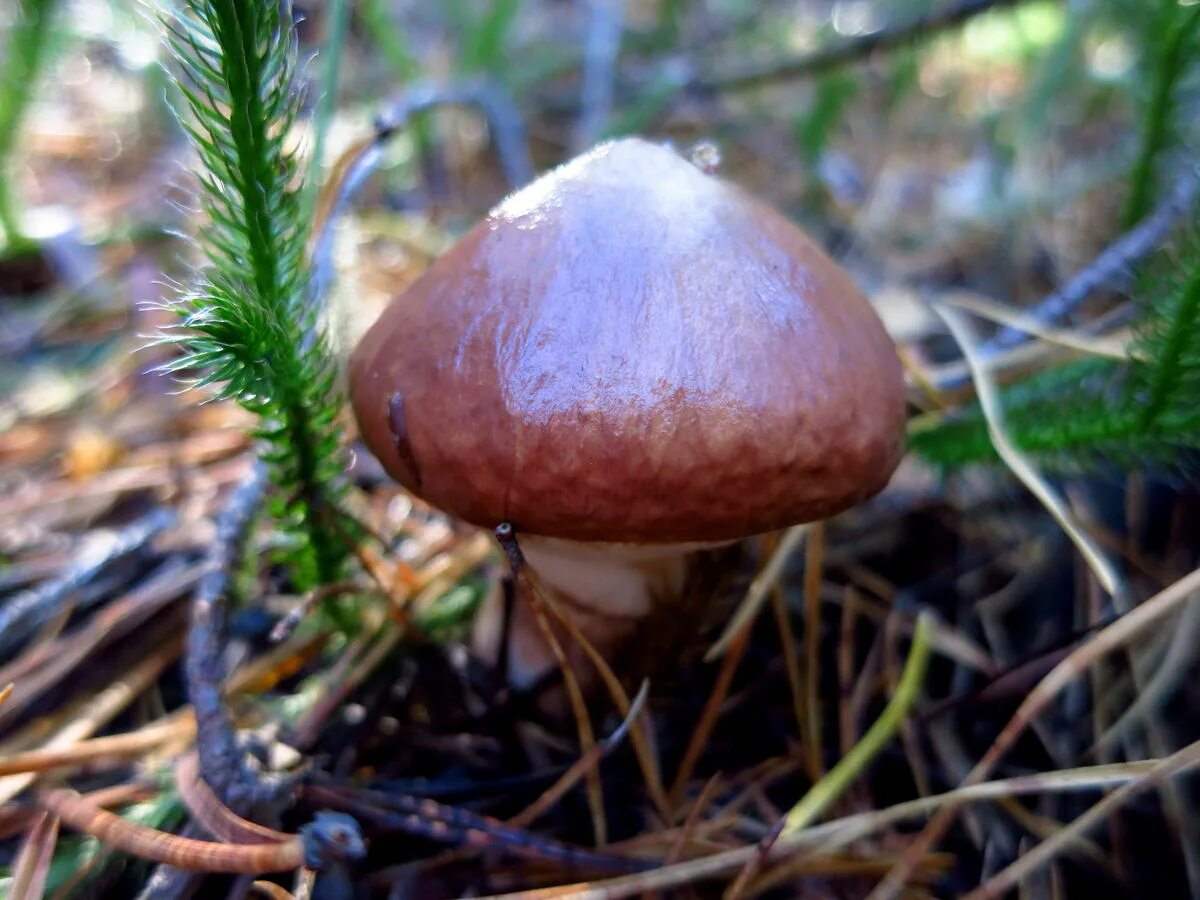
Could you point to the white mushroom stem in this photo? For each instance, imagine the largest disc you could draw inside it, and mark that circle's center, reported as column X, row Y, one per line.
column 607, row 590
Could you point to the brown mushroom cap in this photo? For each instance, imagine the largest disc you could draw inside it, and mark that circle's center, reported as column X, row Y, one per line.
column 631, row 350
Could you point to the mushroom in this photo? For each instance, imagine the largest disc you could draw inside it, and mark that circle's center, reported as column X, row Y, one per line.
column 629, row 360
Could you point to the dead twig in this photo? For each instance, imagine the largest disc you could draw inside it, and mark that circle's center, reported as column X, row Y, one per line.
column 328, row 839
column 222, row 761
column 1110, row 266
column 917, row 29
column 23, row 614
column 357, row 163
column 440, row 822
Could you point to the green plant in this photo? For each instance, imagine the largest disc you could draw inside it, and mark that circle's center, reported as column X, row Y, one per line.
column 1144, row 410
column 832, row 97
column 248, row 324
column 389, row 38
column 482, row 33
column 1170, row 41
column 26, row 53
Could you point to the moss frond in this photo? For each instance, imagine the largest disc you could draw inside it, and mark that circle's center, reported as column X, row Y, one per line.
column 247, row 325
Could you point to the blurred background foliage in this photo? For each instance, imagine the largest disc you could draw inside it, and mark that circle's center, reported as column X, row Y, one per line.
column 997, row 156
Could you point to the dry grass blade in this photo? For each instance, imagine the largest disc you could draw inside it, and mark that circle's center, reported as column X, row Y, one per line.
column 586, row 763
column 1113, row 346
column 32, row 865
column 999, row 884
column 1153, row 693
column 830, row 836
column 710, row 713
column 791, row 655
column 537, row 595
column 639, row 736
column 693, row 820
column 68, row 652
column 178, row 727
column 759, row 590
column 814, row 572
column 102, row 708
column 1118, row 634
column 1017, row 462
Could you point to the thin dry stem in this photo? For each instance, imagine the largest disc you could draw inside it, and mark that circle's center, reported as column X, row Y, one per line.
column 536, row 594
column 711, row 712
column 1120, row 633
column 814, row 571
column 759, row 590
column 105, row 705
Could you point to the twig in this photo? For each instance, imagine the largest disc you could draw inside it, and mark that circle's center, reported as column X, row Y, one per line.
column 917, row 29
column 328, row 832
column 444, row 823
column 503, row 117
column 1111, row 265
column 357, row 164
column 22, row 615
column 222, row 762
column 337, row 17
